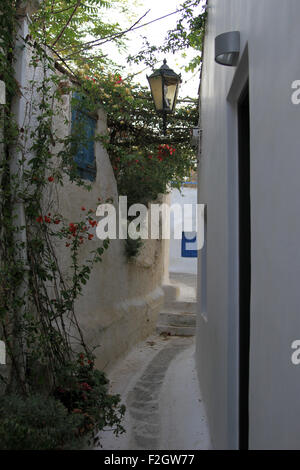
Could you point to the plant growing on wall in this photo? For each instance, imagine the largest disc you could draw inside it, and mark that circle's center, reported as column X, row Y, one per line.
column 134, row 135
column 37, row 298
column 38, row 295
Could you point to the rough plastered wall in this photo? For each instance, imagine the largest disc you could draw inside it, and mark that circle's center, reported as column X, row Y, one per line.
column 122, row 299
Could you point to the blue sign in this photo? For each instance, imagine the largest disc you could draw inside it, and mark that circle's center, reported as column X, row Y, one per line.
column 185, row 251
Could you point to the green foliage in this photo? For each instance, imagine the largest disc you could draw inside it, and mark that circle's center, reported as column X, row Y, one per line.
column 132, row 247
column 37, row 317
column 144, row 161
column 188, row 33
column 37, row 299
column 67, row 26
column 84, row 391
column 37, row 422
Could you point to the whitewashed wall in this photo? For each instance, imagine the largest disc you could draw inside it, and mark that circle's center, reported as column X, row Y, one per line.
column 121, row 302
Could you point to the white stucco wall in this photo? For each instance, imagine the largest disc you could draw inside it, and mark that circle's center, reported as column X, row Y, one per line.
column 122, row 299
column 271, row 30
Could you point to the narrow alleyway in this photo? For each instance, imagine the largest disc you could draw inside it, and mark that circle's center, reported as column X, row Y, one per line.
column 157, row 381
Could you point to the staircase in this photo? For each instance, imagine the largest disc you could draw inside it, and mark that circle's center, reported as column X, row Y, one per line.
column 178, row 317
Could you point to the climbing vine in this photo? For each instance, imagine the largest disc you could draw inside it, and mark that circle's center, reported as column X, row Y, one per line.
column 38, row 294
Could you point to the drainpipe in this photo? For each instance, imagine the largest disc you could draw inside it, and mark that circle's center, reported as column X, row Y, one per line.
column 18, row 109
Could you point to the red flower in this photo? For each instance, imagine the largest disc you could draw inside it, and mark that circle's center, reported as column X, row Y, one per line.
column 57, row 221
column 90, row 236
column 67, row 244
column 83, row 208
column 47, row 219
column 92, row 222
column 50, row 179
column 72, row 228
column 39, row 219
column 86, row 386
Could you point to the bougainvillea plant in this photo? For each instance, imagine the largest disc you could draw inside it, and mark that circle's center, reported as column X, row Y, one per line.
column 145, row 162
column 37, row 299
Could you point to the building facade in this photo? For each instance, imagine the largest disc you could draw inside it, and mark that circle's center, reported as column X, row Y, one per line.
column 249, row 167
column 119, row 305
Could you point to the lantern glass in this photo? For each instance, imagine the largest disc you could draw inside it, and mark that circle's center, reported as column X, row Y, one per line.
column 156, row 90
column 164, row 84
column 170, row 94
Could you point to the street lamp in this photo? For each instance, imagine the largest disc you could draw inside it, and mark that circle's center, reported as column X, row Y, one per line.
column 164, row 84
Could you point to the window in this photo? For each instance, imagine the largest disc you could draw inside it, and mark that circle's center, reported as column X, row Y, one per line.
column 84, row 126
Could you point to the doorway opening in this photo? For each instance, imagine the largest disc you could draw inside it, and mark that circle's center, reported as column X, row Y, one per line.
column 244, row 263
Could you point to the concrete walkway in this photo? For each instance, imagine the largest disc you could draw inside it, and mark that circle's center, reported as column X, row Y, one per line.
column 158, row 384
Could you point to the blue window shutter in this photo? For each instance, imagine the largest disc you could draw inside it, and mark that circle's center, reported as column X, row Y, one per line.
column 85, row 151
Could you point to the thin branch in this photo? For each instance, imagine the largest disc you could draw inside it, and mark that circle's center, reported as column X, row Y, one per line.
column 89, row 45
column 55, row 12
column 76, row 77
column 67, row 23
column 94, row 43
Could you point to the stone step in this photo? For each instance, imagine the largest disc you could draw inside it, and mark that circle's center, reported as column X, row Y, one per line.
column 171, row 292
column 181, row 306
column 177, row 319
column 176, row 330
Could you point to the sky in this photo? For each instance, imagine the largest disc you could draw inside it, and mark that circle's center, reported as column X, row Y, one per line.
column 155, row 34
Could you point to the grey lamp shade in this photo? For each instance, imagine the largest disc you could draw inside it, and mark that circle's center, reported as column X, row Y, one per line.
column 227, row 48
column 164, row 84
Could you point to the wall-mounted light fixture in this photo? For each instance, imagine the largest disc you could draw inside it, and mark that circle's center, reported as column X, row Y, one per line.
column 227, row 48
column 195, row 137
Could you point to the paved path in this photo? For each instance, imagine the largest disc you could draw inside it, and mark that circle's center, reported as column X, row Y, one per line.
column 158, row 384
